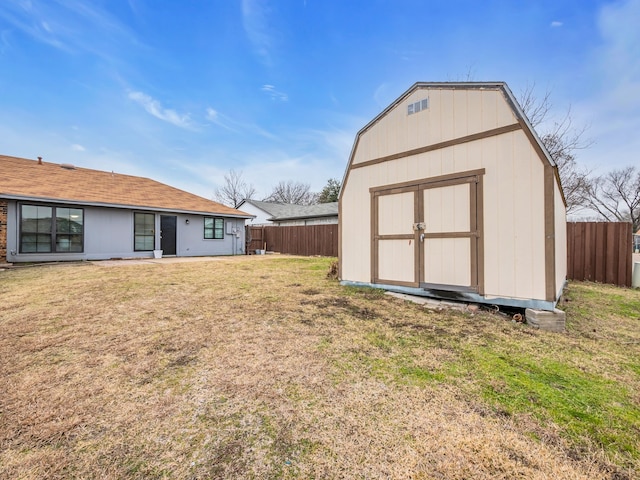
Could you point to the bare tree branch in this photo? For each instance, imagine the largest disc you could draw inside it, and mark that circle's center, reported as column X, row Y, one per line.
column 616, row 196
column 296, row 193
column 561, row 140
column 234, row 190
column 534, row 107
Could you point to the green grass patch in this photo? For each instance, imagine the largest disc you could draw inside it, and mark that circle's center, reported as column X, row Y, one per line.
column 584, row 405
column 585, row 382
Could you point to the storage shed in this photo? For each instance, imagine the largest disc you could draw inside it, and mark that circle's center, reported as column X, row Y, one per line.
column 450, row 193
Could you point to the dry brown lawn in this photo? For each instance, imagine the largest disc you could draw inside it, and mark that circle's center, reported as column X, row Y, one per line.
column 250, row 367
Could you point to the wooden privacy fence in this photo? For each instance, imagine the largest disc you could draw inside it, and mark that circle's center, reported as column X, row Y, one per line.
column 301, row 240
column 596, row 251
column 600, row 252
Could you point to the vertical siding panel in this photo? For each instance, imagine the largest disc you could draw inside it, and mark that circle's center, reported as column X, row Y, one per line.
column 474, row 107
column 435, row 135
column 506, row 214
column 491, row 220
column 489, row 110
column 505, row 115
column 447, row 128
column 460, row 114
column 523, row 217
column 460, row 158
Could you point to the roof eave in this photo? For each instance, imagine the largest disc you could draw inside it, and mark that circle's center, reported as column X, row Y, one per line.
column 118, row 205
column 323, row 215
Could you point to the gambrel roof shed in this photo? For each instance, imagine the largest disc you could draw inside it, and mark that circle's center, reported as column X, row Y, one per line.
column 450, row 193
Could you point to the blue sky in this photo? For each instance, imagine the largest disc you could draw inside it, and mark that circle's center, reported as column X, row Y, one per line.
column 183, row 91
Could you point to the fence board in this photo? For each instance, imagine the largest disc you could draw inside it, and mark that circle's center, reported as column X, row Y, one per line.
column 600, row 252
column 306, row 240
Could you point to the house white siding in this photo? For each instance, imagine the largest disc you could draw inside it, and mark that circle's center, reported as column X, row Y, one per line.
column 109, row 233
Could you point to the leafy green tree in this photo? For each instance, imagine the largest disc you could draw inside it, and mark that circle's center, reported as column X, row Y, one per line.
column 330, row 192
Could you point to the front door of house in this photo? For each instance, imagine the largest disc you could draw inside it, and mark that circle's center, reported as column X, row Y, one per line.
column 429, row 234
column 168, row 234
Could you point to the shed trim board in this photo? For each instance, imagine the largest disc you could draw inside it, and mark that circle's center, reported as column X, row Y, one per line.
column 549, row 234
column 437, row 146
column 472, row 151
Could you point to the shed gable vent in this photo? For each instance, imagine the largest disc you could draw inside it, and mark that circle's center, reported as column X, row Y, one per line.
column 418, row 106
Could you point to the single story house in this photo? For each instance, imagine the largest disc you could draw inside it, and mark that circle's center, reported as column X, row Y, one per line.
column 55, row 212
column 450, row 193
column 284, row 214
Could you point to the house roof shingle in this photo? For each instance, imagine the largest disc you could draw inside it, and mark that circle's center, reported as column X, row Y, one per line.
column 28, row 179
column 287, row 211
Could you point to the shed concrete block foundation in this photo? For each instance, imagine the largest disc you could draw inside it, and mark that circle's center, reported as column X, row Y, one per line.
column 546, row 320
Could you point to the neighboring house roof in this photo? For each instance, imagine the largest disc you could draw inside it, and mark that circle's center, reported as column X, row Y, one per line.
column 286, row 211
column 24, row 179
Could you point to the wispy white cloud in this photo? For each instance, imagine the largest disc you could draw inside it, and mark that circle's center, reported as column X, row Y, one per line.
column 556, row 24
column 212, row 115
column 69, row 26
column 215, row 117
column 155, row 108
column 224, row 121
column 35, row 21
column 255, row 20
column 274, row 93
column 77, row 148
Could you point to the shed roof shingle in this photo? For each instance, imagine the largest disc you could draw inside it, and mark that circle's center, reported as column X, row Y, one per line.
column 29, row 179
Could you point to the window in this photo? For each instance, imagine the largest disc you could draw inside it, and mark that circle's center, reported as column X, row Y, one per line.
column 39, row 233
column 144, row 231
column 214, row 228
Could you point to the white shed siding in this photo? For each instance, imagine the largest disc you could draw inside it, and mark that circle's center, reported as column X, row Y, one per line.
column 355, row 225
column 513, row 212
column 451, row 114
column 513, row 194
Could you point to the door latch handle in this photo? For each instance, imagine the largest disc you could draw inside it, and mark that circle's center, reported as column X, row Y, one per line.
column 422, row 237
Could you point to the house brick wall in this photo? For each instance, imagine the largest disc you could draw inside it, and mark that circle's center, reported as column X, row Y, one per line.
column 3, row 230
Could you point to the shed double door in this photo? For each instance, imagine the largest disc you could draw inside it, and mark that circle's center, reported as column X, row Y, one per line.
column 429, row 234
